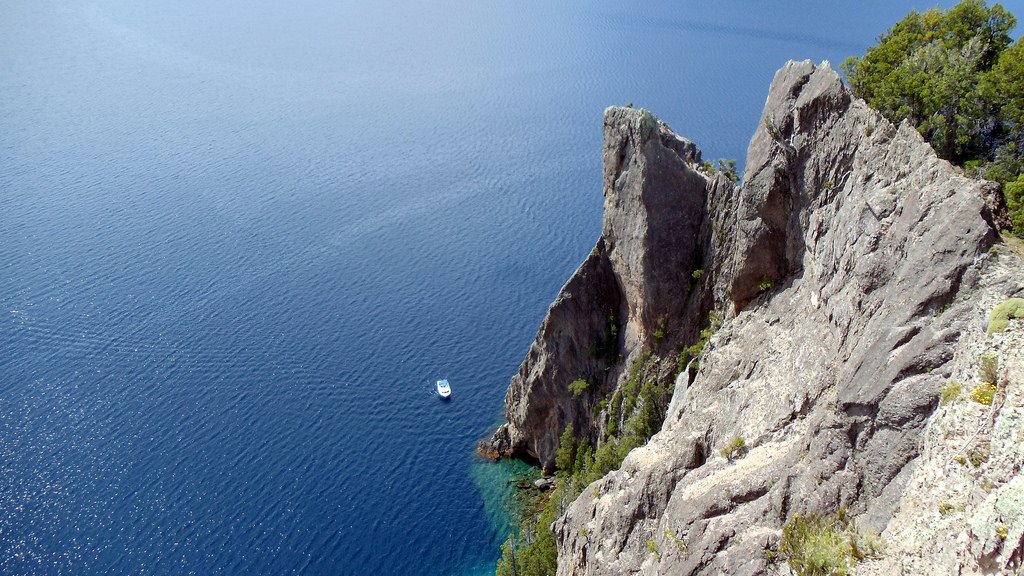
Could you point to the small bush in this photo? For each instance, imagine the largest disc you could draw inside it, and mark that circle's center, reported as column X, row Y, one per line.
column 816, row 546
column 696, row 274
column 1001, row 314
column 565, row 454
column 945, row 508
column 868, row 544
column 679, row 543
column 950, row 392
column 765, row 284
column 736, row 448
column 825, row 545
column 988, row 367
column 606, row 345
column 728, row 167
column 614, row 413
column 659, row 332
column 579, row 386
column 983, row 394
column 693, row 351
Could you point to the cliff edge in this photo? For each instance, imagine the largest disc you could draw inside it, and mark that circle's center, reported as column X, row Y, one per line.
column 832, row 296
column 635, row 291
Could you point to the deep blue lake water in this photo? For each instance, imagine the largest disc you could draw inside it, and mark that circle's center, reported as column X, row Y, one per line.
column 239, row 241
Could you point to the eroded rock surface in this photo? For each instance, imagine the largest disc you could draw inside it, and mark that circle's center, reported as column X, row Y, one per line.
column 637, row 281
column 850, row 266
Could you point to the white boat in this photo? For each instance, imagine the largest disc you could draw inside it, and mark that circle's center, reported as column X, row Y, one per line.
column 443, row 389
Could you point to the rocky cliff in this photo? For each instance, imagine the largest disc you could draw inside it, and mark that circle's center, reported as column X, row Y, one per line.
column 855, row 272
column 636, row 290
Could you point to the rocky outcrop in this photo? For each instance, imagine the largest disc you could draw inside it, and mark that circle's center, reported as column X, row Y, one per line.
column 962, row 510
column 850, row 265
column 636, row 290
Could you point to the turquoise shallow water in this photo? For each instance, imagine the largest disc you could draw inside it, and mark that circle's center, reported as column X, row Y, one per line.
column 239, row 241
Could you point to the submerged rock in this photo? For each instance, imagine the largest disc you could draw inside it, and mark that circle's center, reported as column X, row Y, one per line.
column 848, row 267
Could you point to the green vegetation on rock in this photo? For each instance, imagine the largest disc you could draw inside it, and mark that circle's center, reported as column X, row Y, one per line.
column 984, row 394
column 826, row 544
column 958, row 78
column 728, row 168
column 607, row 345
column 988, row 367
column 693, row 351
column 659, row 332
column 579, row 386
column 1003, row 313
column 980, row 453
column 1014, row 192
column 634, row 413
column 736, row 448
column 950, row 392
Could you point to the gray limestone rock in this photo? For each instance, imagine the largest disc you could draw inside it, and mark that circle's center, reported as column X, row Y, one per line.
column 848, row 266
column 637, row 280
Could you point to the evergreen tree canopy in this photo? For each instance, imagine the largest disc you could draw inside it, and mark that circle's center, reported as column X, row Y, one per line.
column 929, row 68
column 958, row 78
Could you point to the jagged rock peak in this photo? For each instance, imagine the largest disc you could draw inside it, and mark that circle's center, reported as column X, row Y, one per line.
column 851, row 268
column 636, row 285
column 852, row 260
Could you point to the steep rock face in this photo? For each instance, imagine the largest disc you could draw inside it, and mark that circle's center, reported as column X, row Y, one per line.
column 962, row 511
column 636, row 284
column 849, row 265
column 852, row 267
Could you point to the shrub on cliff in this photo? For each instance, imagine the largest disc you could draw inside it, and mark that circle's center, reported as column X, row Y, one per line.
column 988, row 367
column 1001, row 314
column 929, row 67
column 635, row 413
column 736, row 448
column 1015, row 203
column 565, row 455
column 693, row 351
column 536, row 555
column 579, row 386
column 984, row 394
column 956, row 77
column 825, row 544
column 950, row 392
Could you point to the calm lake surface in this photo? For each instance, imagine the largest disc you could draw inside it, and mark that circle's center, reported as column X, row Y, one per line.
column 240, row 240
